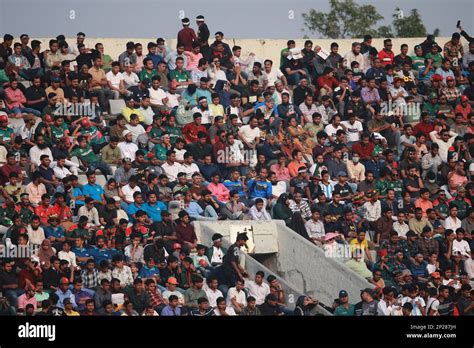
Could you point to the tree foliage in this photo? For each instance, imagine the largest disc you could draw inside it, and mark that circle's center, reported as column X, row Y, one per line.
column 408, row 26
column 345, row 19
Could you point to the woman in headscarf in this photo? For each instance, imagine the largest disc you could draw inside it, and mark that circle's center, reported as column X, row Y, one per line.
column 304, row 305
column 44, row 254
column 281, row 210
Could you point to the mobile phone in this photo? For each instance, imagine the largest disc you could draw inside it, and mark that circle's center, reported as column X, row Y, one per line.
column 458, row 24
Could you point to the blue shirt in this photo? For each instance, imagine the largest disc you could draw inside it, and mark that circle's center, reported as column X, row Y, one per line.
column 133, row 208
column 146, row 272
column 76, row 192
column 260, row 189
column 84, row 252
column 101, row 254
column 154, row 211
column 56, row 232
column 167, row 311
column 156, row 59
column 204, row 93
column 64, row 295
column 235, row 185
column 194, row 209
column 93, row 191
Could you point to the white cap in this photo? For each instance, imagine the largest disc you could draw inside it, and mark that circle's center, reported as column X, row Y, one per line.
column 126, row 132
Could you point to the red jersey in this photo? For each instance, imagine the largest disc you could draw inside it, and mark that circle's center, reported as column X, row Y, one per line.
column 386, row 57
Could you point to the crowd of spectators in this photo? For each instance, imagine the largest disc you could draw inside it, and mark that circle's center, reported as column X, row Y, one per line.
column 368, row 152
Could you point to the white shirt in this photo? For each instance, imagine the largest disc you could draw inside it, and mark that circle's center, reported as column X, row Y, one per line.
column 249, row 134
column 128, row 150
column 157, row 96
column 147, row 115
column 239, row 296
column 259, row 292
column 68, row 256
column 416, row 309
column 130, row 80
column 331, row 131
column 373, row 211
column 128, row 192
column 136, row 131
column 189, row 169
column 443, row 145
column 259, row 215
column 273, row 76
column 173, row 99
column 35, row 237
column 315, row 229
column 172, row 170
column 462, row 247
column 36, row 153
column 114, row 79
column 450, row 223
column 92, row 215
column 212, row 296
column 217, row 75
column 124, row 275
column 207, row 115
column 401, row 229
column 469, row 268
column 228, row 310
column 166, row 295
column 217, row 255
column 352, row 130
column 61, row 173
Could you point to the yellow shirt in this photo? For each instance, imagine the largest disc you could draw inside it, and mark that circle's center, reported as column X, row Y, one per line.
column 97, row 76
column 59, row 92
column 127, row 112
column 355, row 244
column 71, row 313
column 217, row 110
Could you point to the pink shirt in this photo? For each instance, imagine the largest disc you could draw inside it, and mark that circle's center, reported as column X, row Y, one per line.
column 220, row 191
column 282, row 174
column 139, row 65
column 14, row 98
column 23, row 301
column 193, row 60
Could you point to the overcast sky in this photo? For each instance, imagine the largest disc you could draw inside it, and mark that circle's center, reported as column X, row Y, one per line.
column 242, row 18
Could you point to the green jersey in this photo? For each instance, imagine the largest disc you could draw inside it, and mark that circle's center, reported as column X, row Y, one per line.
column 85, row 154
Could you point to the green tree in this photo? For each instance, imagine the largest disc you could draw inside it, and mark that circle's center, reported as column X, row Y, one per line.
column 408, row 26
column 345, row 19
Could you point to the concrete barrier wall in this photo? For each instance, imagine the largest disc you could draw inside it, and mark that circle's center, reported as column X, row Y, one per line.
column 263, row 48
column 306, row 266
column 299, row 262
column 204, row 232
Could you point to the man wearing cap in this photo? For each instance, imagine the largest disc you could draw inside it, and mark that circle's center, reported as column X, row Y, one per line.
column 202, row 108
column 127, row 147
column 345, row 308
column 368, row 306
column 451, row 92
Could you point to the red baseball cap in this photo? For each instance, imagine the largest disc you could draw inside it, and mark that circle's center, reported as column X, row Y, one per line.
column 464, row 98
column 3, row 118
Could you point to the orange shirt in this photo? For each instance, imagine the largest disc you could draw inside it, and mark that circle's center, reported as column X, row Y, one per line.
column 424, row 205
column 44, row 213
column 294, row 166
